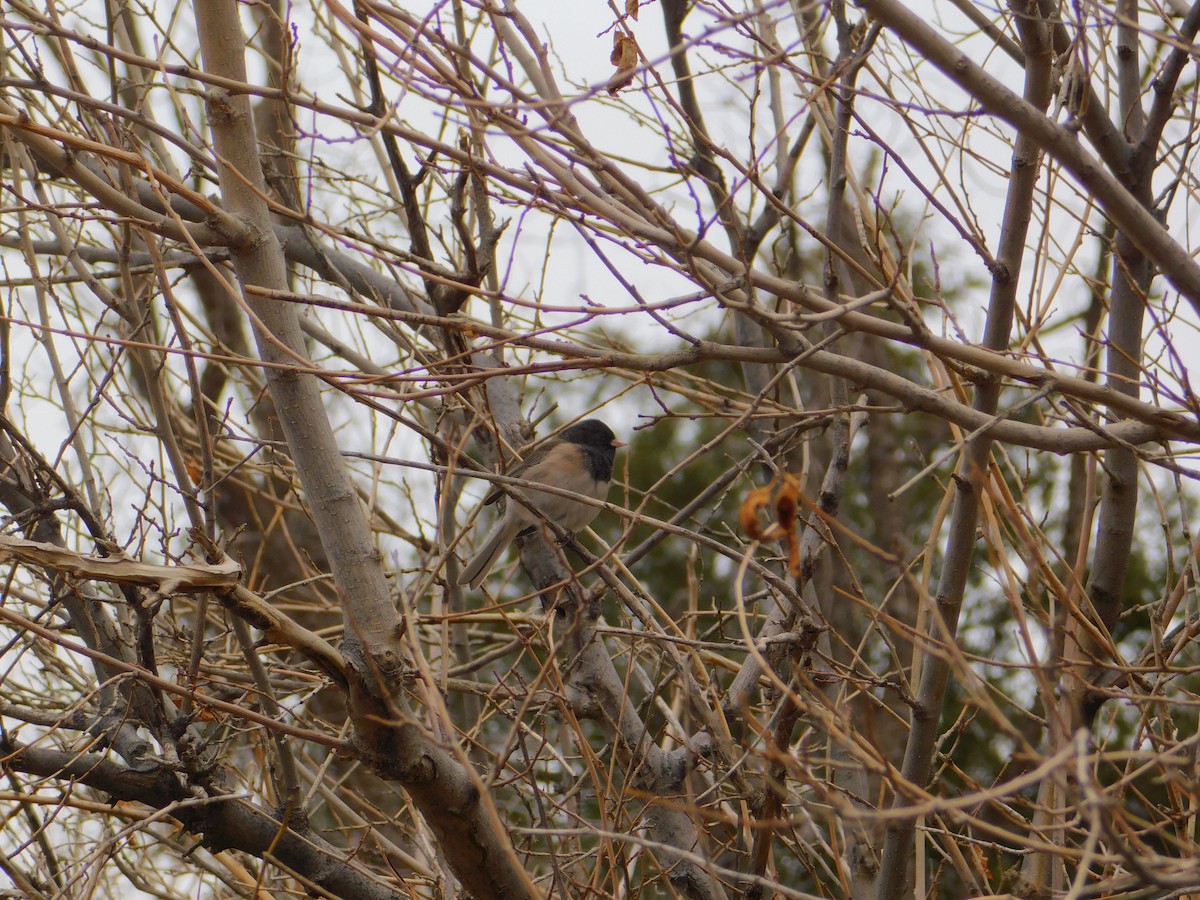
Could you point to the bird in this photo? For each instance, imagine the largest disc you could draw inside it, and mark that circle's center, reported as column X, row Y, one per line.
column 579, row 460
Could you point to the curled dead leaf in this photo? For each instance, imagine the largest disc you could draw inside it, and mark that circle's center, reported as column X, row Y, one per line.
column 787, row 513
column 756, row 501
column 625, row 57
column 782, row 499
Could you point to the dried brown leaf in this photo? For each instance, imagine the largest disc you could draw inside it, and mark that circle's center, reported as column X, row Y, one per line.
column 757, row 500
column 787, row 504
column 782, row 498
column 625, row 57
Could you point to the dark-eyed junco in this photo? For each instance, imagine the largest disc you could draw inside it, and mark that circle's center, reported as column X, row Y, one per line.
column 579, row 460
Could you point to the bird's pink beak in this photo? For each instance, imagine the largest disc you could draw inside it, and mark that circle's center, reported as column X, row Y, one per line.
column 618, row 444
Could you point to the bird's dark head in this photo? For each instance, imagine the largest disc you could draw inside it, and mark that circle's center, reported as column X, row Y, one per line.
column 592, row 433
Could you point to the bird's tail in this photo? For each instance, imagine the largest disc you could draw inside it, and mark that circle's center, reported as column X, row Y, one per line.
column 481, row 563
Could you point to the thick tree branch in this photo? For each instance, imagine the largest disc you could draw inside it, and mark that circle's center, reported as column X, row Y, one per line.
column 224, row 821
column 182, row 577
column 479, row 850
column 973, row 470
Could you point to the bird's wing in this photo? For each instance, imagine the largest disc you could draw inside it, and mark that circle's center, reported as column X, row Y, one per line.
column 519, row 470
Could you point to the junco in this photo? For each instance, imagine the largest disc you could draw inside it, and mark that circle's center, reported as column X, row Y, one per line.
column 579, row 460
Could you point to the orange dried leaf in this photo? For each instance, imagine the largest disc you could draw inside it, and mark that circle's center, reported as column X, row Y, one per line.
column 981, row 861
column 204, row 714
column 787, row 506
column 787, row 502
column 625, row 57
column 758, row 499
column 782, row 498
column 620, row 51
column 631, row 9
